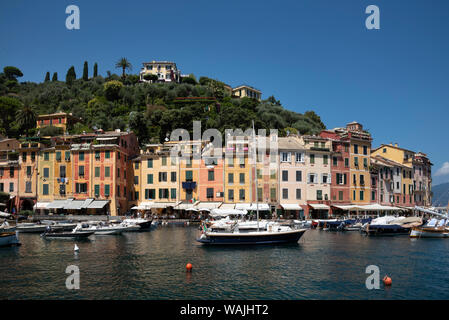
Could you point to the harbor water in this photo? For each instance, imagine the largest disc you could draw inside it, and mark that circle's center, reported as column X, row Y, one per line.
column 151, row 265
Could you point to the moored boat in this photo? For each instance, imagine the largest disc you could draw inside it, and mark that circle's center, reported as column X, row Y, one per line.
column 433, row 229
column 28, row 227
column 76, row 234
column 391, row 225
column 9, row 239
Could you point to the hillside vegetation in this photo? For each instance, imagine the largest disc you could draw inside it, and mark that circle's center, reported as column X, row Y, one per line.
column 151, row 110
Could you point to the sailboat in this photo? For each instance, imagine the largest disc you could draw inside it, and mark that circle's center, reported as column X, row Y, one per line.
column 435, row 228
column 271, row 233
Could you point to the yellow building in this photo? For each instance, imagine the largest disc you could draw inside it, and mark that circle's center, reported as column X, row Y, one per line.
column 165, row 71
column 247, row 91
column 406, row 158
column 60, row 119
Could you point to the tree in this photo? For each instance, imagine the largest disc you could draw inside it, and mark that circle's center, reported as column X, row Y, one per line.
column 8, row 108
column 55, row 77
column 112, row 89
column 85, row 72
column 12, row 73
column 150, row 77
column 71, row 75
column 51, row 131
column 26, row 118
column 47, row 77
column 123, row 64
column 189, row 80
column 95, row 70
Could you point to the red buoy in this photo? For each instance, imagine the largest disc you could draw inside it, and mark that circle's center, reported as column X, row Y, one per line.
column 387, row 281
column 189, row 267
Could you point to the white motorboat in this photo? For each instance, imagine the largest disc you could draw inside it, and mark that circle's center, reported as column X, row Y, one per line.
column 102, row 229
column 144, row 224
column 28, row 227
column 8, row 239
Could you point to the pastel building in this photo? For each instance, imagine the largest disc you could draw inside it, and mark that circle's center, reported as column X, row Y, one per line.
column 166, row 71
column 211, row 176
column 9, row 172
column 247, row 91
column 59, row 119
column 422, row 180
column 318, row 175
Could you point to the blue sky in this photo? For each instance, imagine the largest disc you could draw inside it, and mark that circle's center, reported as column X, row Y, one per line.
column 312, row 55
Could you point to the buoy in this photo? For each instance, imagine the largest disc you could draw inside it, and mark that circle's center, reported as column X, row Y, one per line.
column 76, row 248
column 387, row 281
column 189, row 267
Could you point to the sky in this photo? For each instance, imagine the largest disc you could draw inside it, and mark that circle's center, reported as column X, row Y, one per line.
column 310, row 54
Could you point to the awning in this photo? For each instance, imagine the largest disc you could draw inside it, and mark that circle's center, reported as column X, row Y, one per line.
column 291, row 206
column 319, row 206
column 227, row 206
column 184, row 206
column 58, row 204
column 41, row 205
column 348, row 207
column 208, row 205
column 143, row 206
column 86, row 203
column 162, row 205
column 98, row 204
column 74, row 205
column 252, row 206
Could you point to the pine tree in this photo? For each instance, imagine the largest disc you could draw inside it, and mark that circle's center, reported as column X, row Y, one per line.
column 71, row 75
column 47, row 77
column 85, row 72
column 55, row 77
column 95, row 70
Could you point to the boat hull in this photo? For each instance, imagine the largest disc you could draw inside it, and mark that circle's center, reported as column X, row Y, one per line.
column 68, row 235
column 428, row 233
column 385, row 230
column 253, row 238
column 8, row 239
column 34, row 229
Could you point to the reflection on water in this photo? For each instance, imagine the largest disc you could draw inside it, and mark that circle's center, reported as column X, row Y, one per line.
column 151, row 265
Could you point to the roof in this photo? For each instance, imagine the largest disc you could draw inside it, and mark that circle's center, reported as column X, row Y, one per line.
column 246, row 86
column 387, row 162
column 393, row 146
column 290, row 142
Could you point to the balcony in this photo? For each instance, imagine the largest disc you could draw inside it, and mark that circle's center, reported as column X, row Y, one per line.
column 320, row 149
column 189, row 185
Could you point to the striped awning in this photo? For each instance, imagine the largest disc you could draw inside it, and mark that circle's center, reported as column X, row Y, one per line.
column 98, row 204
column 58, row 204
column 319, row 206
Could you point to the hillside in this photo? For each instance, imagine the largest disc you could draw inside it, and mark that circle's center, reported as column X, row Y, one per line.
column 151, row 110
column 441, row 195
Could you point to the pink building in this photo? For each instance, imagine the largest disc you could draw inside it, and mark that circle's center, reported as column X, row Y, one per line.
column 210, row 186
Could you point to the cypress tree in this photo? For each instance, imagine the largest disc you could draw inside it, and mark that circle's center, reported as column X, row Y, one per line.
column 47, row 77
column 70, row 76
column 95, row 70
column 85, row 72
column 55, row 77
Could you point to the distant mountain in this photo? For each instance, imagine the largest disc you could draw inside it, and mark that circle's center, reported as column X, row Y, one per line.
column 440, row 195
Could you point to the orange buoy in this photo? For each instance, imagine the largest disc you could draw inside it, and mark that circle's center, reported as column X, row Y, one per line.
column 387, row 281
column 189, row 267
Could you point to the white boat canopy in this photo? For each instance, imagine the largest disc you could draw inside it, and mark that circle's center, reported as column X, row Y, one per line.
column 291, row 206
column 226, row 212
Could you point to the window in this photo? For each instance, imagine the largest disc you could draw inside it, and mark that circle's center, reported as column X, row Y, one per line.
column 273, row 194
column 284, row 175
column 118, row 172
column 298, row 175
column 325, row 178
column 150, row 193
column 284, row 193
column 81, row 170
column 189, row 175
column 58, row 156
column 46, row 156
column 136, row 195
column 259, row 174
column 354, row 179
column 285, row 156
column 362, row 180
column 384, row 150
column 210, row 193
column 62, row 189
column 67, row 156
column 325, row 159
column 242, row 178
column 81, row 187
column 373, row 195
column 81, row 156
column 340, row 195
column 365, row 150
column 162, row 176
column 319, row 195
column 136, row 165
column 312, row 158
column 28, row 171
column 299, row 157
column 97, row 155
column 334, row 161
column 107, row 191
column 242, row 194
column 164, row 161
column 259, row 194
column 97, row 190
column 33, row 156
column 46, row 172
column 45, row 189
column 118, row 155
column 312, row 178
column 346, row 162
column 27, row 187
column 107, row 154
column 173, row 176
column 230, row 178
column 118, row 191
column 356, row 149
column 231, row 194
column 173, row 193
column 107, row 171
column 361, row 195
column 211, row 175
column 24, row 157
column 365, row 163
column 97, row 172
column 298, row 194
column 136, row 179
column 11, row 187
column 356, row 161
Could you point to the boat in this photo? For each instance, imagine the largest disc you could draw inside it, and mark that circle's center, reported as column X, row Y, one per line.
column 433, row 229
column 102, row 229
column 76, row 234
column 144, row 224
column 5, row 227
column 243, row 232
column 8, row 239
column 389, row 225
column 29, row 227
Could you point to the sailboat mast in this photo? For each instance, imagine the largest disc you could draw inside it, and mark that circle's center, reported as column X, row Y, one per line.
column 255, row 171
